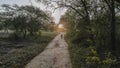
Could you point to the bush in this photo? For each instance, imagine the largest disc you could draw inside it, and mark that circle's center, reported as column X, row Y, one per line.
column 21, row 56
column 82, row 57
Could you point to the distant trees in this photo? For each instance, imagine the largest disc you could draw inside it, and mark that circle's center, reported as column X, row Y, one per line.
column 23, row 20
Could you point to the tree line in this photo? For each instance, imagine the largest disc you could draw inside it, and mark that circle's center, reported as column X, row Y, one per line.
column 93, row 25
column 92, row 31
column 23, row 20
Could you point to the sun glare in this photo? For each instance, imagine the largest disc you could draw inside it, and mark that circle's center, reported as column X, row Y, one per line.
column 60, row 26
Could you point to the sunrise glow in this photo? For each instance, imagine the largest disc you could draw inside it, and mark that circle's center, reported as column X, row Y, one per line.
column 60, row 26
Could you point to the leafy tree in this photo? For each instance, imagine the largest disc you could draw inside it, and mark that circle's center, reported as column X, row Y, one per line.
column 92, row 23
column 24, row 20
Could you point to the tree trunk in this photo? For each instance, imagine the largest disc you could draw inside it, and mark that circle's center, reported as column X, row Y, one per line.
column 113, row 31
column 24, row 34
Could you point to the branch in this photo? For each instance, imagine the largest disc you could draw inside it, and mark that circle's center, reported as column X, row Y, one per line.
column 117, row 1
column 108, row 4
column 73, row 9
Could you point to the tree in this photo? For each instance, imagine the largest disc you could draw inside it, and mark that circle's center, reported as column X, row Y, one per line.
column 24, row 20
column 92, row 24
column 111, row 5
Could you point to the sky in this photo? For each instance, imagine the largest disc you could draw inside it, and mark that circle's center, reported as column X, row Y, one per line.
column 56, row 14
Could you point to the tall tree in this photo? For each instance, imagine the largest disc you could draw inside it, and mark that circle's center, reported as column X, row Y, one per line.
column 111, row 6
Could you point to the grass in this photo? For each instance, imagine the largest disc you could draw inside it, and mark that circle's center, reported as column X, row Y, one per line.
column 19, row 57
column 50, row 34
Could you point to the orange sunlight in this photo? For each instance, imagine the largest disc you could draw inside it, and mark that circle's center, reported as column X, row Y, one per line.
column 60, row 26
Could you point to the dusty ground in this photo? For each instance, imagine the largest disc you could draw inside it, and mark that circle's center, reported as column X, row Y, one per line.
column 55, row 55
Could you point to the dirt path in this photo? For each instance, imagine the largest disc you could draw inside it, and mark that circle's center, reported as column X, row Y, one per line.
column 55, row 55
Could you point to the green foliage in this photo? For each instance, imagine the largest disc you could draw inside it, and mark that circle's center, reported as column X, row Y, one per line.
column 23, row 20
column 21, row 56
column 90, row 31
column 89, row 58
column 38, row 34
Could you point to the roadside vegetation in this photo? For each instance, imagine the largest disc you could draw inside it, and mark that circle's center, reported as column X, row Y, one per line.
column 25, row 31
column 20, row 53
column 93, row 33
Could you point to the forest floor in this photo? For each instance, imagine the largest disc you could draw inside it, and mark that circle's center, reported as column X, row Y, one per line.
column 56, row 55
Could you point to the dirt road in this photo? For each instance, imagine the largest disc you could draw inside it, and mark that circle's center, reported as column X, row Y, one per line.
column 55, row 55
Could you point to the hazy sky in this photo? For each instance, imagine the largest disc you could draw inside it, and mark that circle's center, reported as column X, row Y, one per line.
column 56, row 14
